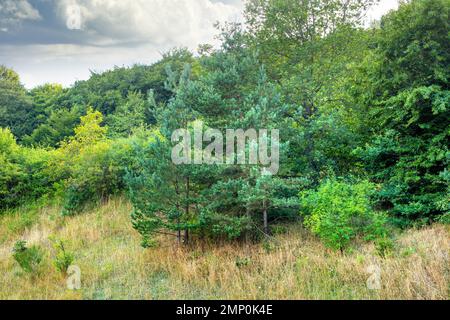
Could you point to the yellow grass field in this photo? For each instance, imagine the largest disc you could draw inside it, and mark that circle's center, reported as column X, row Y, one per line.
column 294, row 265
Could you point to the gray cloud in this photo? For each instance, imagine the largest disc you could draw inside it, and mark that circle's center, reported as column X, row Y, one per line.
column 13, row 12
column 182, row 22
column 67, row 38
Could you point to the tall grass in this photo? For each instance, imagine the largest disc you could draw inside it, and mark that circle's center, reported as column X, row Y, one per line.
column 294, row 266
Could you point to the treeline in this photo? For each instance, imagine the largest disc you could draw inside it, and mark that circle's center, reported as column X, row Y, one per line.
column 363, row 115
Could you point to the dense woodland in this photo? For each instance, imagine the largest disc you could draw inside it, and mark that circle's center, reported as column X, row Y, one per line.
column 363, row 114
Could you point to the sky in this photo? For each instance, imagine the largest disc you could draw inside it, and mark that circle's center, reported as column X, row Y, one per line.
column 61, row 41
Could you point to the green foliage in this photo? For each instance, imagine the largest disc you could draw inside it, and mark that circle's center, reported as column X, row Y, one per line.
column 269, row 246
column 23, row 222
column 384, row 246
column 243, row 262
column 339, row 211
column 219, row 226
column 262, row 193
column 161, row 192
column 16, row 109
column 88, row 161
column 105, row 92
column 304, row 41
column 311, row 49
column 63, row 259
column 29, row 259
column 11, row 174
column 47, row 97
column 225, row 201
column 445, row 218
column 49, row 118
column 22, row 171
column 408, row 102
column 57, row 127
column 128, row 116
column 278, row 229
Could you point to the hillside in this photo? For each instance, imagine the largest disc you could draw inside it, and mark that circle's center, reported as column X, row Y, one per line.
column 302, row 154
column 292, row 266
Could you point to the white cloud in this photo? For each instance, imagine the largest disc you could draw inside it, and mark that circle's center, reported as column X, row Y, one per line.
column 161, row 22
column 66, row 63
column 13, row 12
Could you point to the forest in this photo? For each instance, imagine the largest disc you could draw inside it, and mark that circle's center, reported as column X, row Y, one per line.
column 363, row 119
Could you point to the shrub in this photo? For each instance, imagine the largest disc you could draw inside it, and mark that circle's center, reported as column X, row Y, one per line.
column 88, row 163
column 338, row 211
column 23, row 172
column 445, row 219
column 28, row 259
column 63, row 258
column 11, row 172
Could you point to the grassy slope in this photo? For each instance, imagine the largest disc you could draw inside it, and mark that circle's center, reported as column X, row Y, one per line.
column 295, row 266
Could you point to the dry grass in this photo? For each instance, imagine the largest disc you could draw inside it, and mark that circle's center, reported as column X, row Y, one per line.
column 294, row 266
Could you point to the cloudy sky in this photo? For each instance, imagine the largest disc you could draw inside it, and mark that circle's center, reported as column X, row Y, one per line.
column 62, row 40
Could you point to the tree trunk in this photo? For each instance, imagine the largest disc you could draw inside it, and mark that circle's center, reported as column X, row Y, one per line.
column 247, row 234
column 178, row 210
column 186, row 231
column 266, row 224
column 186, row 237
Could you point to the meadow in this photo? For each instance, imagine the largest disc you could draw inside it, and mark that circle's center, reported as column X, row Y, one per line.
column 292, row 265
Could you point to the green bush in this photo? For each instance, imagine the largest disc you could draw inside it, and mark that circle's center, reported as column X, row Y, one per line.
column 29, row 259
column 23, row 172
column 63, row 258
column 445, row 219
column 11, row 173
column 339, row 211
column 89, row 163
